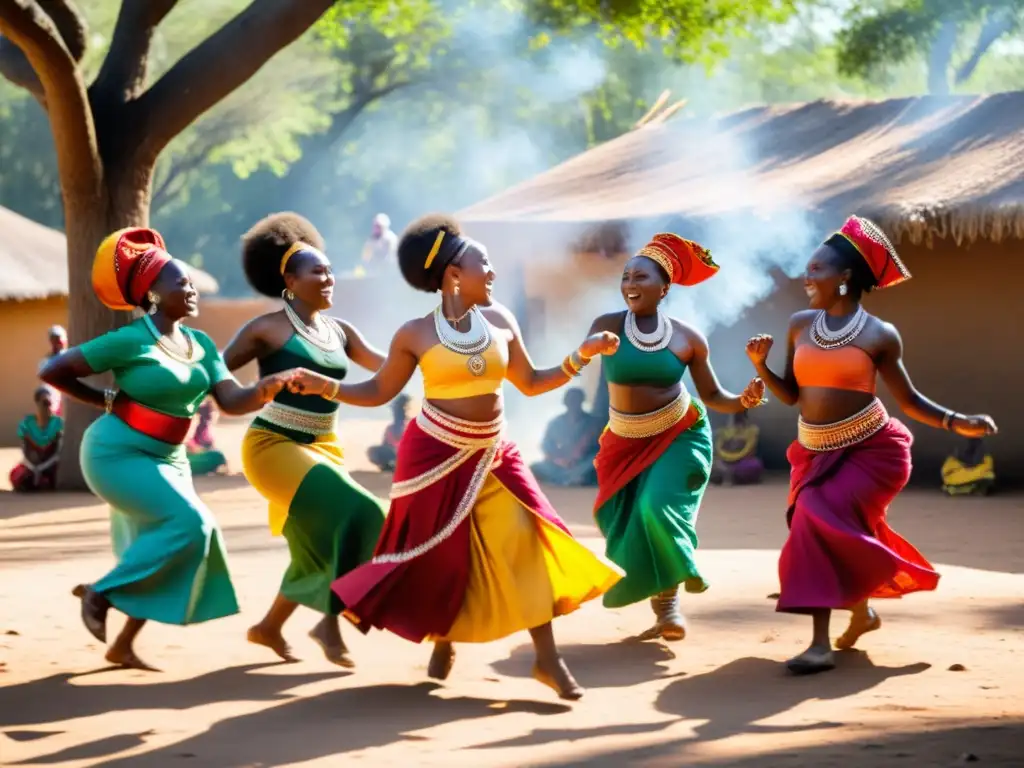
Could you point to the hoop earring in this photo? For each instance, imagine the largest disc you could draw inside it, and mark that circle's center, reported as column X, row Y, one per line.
column 842, row 289
column 154, row 302
column 287, row 295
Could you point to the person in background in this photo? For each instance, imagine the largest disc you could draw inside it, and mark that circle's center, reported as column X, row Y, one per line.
column 383, row 456
column 58, row 343
column 381, row 247
column 40, row 435
column 969, row 471
column 203, row 457
column 736, row 460
column 570, row 445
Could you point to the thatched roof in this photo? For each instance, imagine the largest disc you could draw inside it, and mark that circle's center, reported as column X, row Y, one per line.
column 34, row 261
column 922, row 167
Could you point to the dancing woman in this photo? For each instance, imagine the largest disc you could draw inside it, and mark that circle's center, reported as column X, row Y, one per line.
column 850, row 459
column 291, row 453
column 471, row 551
column 655, row 457
column 171, row 564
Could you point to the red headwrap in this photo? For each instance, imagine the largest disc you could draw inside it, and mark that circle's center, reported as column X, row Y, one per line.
column 684, row 261
column 126, row 266
column 875, row 248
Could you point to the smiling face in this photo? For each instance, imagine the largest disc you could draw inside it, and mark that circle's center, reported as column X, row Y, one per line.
column 312, row 280
column 178, row 297
column 643, row 285
column 823, row 277
column 475, row 276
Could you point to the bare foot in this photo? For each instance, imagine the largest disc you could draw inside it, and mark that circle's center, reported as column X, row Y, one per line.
column 327, row 635
column 556, row 676
column 274, row 641
column 815, row 659
column 442, row 659
column 669, row 631
column 860, row 624
column 125, row 657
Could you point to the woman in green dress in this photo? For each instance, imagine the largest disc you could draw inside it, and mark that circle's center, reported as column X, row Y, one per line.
column 291, row 453
column 40, row 434
column 655, row 457
column 171, row 563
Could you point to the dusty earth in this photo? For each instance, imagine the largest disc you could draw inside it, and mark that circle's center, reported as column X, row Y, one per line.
column 940, row 685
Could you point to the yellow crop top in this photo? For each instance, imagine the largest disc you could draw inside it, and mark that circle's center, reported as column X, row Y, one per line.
column 446, row 374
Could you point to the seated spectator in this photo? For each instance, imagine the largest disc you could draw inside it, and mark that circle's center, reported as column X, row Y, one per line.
column 203, row 457
column 40, row 435
column 570, row 445
column 736, row 461
column 383, row 456
column 969, row 471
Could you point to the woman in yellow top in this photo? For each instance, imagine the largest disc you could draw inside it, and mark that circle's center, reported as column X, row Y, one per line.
column 471, row 549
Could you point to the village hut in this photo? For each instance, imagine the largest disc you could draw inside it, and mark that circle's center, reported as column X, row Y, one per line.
column 944, row 176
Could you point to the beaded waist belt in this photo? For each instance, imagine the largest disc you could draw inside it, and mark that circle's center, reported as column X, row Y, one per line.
column 641, row 425
column 842, row 434
column 459, row 433
column 159, row 426
column 298, row 420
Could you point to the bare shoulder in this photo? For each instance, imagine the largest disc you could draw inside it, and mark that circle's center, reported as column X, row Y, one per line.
column 611, row 321
column 886, row 333
column 695, row 338
column 500, row 316
column 267, row 325
column 800, row 320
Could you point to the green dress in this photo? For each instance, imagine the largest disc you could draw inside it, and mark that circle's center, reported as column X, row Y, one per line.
column 650, row 525
column 172, row 566
column 292, row 456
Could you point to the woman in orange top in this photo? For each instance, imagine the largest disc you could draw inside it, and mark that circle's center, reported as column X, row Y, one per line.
column 850, row 459
column 471, row 549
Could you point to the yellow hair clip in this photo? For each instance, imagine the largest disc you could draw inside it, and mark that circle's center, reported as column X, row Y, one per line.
column 296, row 247
column 433, row 251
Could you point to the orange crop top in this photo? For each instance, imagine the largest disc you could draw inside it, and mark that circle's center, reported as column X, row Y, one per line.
column 446, row 375
column 847, row 367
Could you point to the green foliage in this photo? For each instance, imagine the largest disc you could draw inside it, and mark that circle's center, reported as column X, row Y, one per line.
column 878, row 35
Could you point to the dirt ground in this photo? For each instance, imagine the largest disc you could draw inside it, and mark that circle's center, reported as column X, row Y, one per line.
column 940, row 685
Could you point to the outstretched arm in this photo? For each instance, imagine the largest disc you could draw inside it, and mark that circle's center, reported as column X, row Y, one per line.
column 359, row 350
column 387, row 382
column 917, row 406
column 710, row 391
column 532, row 381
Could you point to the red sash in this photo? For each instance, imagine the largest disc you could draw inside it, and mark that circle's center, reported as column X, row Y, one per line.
column 159, row 426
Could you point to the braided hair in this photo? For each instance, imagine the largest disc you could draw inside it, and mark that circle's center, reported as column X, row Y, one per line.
column 265, row 244
column 419, row 240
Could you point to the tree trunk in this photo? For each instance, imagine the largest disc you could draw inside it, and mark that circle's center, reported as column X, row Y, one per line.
column 940, row 58
column 87, row 221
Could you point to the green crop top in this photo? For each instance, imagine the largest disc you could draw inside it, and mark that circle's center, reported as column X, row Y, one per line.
column 148, row 375
column 630, row 366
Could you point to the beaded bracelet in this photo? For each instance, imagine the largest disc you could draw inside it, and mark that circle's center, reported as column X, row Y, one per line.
column 569, row 368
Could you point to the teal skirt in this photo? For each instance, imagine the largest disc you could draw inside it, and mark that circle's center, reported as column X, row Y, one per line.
column 171, row 561
column 650, row 525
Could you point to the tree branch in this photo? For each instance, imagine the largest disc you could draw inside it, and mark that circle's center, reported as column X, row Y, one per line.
column 995, row 27
column 220, row 64
column 70, row 23
column 26, row 25
column 123, row 74
column 14, row 67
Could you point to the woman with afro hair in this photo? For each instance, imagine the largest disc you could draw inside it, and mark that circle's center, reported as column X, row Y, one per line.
column 471, row 551
column 290, row 453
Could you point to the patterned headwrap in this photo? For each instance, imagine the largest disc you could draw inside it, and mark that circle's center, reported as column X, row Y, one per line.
column 876, row 250
column 684, row 261
column 127, row 264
